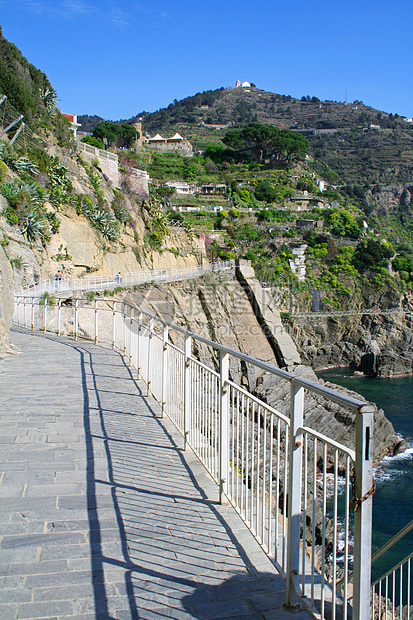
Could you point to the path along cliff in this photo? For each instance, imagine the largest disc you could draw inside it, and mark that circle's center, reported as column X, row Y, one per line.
column 235, row 311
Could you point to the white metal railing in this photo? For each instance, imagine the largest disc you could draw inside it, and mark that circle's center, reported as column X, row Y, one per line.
column 123, row 280
column 92, row 150
column 392, row 592
column 290, row 484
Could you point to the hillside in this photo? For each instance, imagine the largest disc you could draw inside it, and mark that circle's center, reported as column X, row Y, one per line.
column 21, row 81
column 339, row 134
column 323, row 216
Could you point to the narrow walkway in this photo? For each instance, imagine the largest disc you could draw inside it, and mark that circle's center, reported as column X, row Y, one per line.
column 102, row 515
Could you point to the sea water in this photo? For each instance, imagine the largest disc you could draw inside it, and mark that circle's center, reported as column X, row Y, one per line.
column 393, row 500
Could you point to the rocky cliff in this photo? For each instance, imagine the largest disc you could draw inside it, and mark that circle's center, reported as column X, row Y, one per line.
column 221, row 309
column 377, row 343
column 76, row 244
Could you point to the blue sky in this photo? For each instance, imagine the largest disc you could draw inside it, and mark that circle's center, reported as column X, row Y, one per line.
column 117, row 58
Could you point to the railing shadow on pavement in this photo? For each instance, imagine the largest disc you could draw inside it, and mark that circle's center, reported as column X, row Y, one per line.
column 151, row 572
column 254, row 453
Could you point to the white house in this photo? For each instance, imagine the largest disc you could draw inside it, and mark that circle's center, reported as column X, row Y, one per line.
column 156, row 140
column 240, row 84
column 182, row 188
column 74, row 125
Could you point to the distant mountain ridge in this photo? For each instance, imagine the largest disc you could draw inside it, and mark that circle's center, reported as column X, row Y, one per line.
column 360, row 144
column 239, row 106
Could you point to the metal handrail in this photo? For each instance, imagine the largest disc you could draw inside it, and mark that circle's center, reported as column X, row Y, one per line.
column 88, row 283
column 250, row 449
column 389, row 544
column 394, row 569
column 321, row 390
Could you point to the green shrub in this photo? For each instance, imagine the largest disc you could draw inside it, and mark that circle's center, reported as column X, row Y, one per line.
column 46, row 297
column 11, row 216
column 54, row 222
column 3, row 170
column 16, row 262
column 245, row 195
column 97, row 142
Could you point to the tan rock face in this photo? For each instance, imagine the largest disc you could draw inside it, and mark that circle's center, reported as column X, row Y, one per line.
column 167, row 260
column 84, row 243
column 221, row 311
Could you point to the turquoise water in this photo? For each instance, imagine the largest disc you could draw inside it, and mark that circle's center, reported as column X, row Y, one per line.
column 393, row 500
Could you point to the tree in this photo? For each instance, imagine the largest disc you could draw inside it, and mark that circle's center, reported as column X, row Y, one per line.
column 265, row 192
column 371, row 254
column 97, row 142
column 261, row 136
column 214, row 152
column 266, row 140
column 292, row 144
column 233, row 139
column 165, row 193
column 115, row 131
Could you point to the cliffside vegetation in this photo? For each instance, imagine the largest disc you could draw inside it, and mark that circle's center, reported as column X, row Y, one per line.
column 363, row 155
column 265, row 203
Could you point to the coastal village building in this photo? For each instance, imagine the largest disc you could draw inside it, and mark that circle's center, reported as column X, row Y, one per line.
column 240, row 84
column 214, row 189
column 74, row 125
column 182, row 188
column 176, row 144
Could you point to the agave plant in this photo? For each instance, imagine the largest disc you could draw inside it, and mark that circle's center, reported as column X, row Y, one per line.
column 57, row 174
column 99, row 218
column 11, row 193
column 24, row 164
column 84, row 206
column 110, row 232
column 18, row 262
column 49, row 99
column 18, row 193
column 33, row 226
column 189, row 230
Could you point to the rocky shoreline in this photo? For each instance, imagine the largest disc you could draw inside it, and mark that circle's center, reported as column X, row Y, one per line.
column 379, row 345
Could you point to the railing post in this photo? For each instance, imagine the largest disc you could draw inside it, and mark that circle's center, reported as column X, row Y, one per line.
column 363, row 514
column 24, row 312
column 138, row 345
column 124, row 329
column 114, row 325
column 131, row 317
column 59, row 316
column 76, row 317
column 45, row 315
column 294, row 491
column 223, row 427
column 187, row 390
column 164, row 368
column 150, row 337
column 32, row 325
column 96, row 321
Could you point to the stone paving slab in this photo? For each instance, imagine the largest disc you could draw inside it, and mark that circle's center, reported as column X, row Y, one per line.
column 102, row 515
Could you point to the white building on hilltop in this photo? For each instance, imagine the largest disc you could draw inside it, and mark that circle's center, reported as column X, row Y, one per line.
column 240, row 84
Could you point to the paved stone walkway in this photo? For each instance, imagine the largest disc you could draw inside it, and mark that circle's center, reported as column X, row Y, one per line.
column 102, row 515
